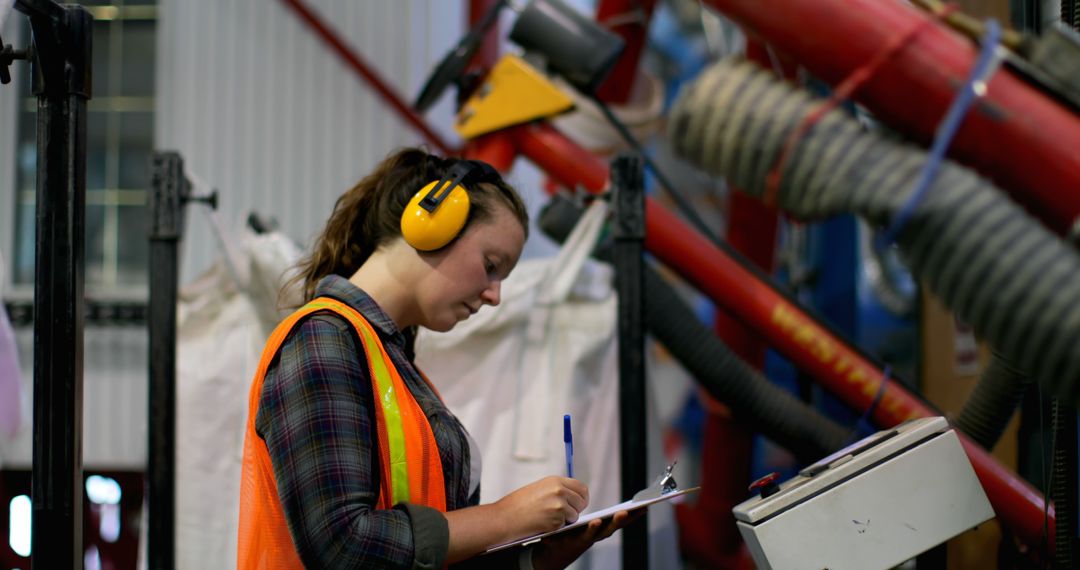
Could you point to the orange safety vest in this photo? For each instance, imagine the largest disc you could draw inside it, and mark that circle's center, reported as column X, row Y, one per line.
column 409, row 458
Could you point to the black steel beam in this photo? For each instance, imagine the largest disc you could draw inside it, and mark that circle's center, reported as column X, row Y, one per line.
column 100, row 313
column 170, row 191
column 1026, row 15
column 1063, row 486
column 42, row 9
column 627, row 183
column 62, row 78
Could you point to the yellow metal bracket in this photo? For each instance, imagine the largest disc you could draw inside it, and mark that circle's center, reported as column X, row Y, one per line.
column 513, row 93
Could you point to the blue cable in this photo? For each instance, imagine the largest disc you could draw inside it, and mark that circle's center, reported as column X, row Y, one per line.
column 865, row 425
column 984, row 66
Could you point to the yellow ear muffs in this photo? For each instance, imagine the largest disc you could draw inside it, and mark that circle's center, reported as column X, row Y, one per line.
column 428, row 230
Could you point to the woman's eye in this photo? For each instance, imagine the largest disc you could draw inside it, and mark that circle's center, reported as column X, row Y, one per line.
column 489, row 266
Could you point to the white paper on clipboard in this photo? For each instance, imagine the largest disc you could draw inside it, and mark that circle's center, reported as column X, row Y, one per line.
column 584, row 519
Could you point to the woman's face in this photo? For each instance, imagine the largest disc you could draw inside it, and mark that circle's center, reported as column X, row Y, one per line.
column 469, row 273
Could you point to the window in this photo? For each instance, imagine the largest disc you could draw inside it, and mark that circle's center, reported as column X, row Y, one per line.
column 119, row 142
column 111, row 512
column 19, row 525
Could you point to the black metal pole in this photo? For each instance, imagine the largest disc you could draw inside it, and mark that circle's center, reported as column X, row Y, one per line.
column 1026, row 15
column 166, row 206
column 62, row 79
column 1063, row 486
column 627, row 182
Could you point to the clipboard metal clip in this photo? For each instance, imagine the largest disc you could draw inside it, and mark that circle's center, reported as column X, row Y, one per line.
column 663, row 485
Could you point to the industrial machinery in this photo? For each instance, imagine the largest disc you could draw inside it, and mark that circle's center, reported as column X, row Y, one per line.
column 743, row 292
column 873, row 504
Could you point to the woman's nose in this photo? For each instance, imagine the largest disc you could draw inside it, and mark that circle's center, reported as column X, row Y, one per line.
column 491, row 294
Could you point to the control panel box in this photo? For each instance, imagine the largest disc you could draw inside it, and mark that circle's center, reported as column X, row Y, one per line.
column 874, row 504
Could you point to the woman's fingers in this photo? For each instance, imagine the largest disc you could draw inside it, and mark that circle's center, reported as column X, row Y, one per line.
column 577, row 493
column 608, row 529
column 621, row 519
column 592, row 531
column 583, row 490
column 570, row 514
column 559, row 551
column 600, row 529
column 573, row 497
column 574, row 500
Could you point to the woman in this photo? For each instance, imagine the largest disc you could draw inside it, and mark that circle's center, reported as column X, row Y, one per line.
column 337, row 478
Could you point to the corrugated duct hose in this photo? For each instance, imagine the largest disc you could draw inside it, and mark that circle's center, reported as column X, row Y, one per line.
column 1070, row 13
column 992, row 402
column 991, row 263
column 753, row 399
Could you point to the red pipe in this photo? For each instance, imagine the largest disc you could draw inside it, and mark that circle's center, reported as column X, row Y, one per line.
column 494, row 149
column 488, row 53
column 787, row 327
column 812, row 348
column 357, row 63
column 630, row 20
column 1024, row 141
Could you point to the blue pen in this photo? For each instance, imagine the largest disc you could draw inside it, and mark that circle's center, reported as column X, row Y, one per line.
column 568, row 439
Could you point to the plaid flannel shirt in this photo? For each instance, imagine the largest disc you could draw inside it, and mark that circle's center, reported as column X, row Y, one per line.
column 317, row 417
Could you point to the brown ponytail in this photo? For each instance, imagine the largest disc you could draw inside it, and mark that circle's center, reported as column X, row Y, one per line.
column 369, row 215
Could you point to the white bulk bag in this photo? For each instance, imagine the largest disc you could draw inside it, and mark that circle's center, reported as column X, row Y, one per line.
column 222, row 327
column 549, row 348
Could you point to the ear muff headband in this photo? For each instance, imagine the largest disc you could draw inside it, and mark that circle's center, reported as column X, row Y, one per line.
column 436, row 214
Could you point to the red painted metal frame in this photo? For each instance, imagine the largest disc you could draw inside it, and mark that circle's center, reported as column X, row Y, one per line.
column 1024, row 141
column 746, row 296
column 488, row 53
column 790, row 330
column 630, row 20
column 355, row 62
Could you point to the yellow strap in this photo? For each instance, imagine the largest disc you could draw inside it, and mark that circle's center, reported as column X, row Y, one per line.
column 387, row 399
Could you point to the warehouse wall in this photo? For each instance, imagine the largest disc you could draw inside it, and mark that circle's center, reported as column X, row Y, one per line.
column 262, row 111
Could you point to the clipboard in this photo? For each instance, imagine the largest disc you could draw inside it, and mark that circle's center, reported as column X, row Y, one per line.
column 663, row 490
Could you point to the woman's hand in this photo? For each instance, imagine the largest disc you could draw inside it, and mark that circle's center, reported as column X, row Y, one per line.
column 543, row 506
column 557, row 552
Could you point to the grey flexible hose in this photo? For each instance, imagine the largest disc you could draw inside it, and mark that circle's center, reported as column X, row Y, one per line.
column 991, row 263
column 762, row 405
column 991, row 404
